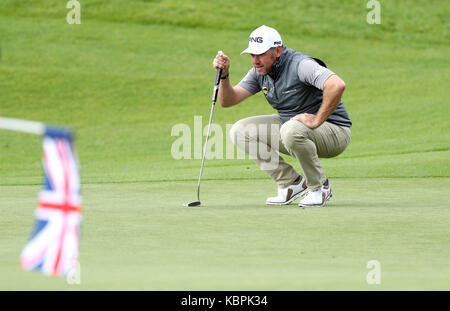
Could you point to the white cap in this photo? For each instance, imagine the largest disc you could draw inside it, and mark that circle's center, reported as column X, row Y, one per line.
column 262, row 39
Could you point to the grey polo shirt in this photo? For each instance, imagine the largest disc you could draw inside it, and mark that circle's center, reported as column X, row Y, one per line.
column 309, row 72
column 297, row 87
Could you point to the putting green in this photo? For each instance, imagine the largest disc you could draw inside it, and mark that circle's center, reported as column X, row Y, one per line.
column 134, row 69
column 138, row 236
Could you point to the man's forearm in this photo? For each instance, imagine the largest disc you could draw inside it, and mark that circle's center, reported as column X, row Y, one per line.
column 226, row 95
column 332, row 94
column 330, row 101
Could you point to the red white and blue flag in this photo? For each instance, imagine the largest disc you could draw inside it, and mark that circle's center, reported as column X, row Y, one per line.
column 54, row 244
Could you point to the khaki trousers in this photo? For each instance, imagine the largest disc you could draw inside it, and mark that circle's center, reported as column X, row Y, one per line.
column 291, row 138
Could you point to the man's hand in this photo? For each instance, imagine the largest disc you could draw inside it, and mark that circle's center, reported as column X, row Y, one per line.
column 222, row 61
column 310, row 120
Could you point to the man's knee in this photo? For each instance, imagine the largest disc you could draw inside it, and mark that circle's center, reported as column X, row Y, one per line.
column 236, row 129
column 242, row 131
column 293, row 132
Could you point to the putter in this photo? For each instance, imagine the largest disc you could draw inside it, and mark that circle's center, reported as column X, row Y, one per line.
column 214, row 98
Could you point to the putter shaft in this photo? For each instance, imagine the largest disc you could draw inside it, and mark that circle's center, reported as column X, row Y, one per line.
column 214, row 99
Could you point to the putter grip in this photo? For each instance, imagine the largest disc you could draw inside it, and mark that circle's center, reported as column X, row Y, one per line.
column 219, row 73
column 216, row 85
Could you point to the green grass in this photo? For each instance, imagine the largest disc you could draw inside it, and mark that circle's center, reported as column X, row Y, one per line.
column 133, row 69
column 134, row 237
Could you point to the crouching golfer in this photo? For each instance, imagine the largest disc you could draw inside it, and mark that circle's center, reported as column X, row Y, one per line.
column 312, row 121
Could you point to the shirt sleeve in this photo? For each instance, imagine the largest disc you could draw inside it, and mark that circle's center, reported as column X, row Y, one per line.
column 310, row 72
column 250, row 82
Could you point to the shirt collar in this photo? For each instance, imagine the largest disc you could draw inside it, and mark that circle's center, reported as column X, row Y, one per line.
column 279, row 63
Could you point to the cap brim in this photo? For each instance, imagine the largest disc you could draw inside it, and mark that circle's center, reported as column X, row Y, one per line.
column 254, row 51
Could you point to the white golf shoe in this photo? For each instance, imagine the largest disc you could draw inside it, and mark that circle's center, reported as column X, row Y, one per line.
column 318, row 197
column 289, row 194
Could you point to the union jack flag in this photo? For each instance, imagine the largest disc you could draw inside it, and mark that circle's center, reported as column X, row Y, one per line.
column 54, row 244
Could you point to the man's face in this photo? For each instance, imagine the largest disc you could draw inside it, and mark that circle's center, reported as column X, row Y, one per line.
column 263, row 63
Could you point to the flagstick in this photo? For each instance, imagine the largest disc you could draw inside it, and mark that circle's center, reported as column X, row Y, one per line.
column 18, row 125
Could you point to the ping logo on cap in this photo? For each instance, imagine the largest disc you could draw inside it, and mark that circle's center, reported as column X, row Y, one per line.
column 256, row 39
column 277, row 43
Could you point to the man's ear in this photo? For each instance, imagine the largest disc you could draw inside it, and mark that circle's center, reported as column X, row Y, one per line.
column 279, row 50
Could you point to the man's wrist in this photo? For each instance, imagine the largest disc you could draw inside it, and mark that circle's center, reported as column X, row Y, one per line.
column 225, row 76
column 316, row 122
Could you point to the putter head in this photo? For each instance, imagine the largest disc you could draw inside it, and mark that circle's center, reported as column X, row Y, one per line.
column 195, row 203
